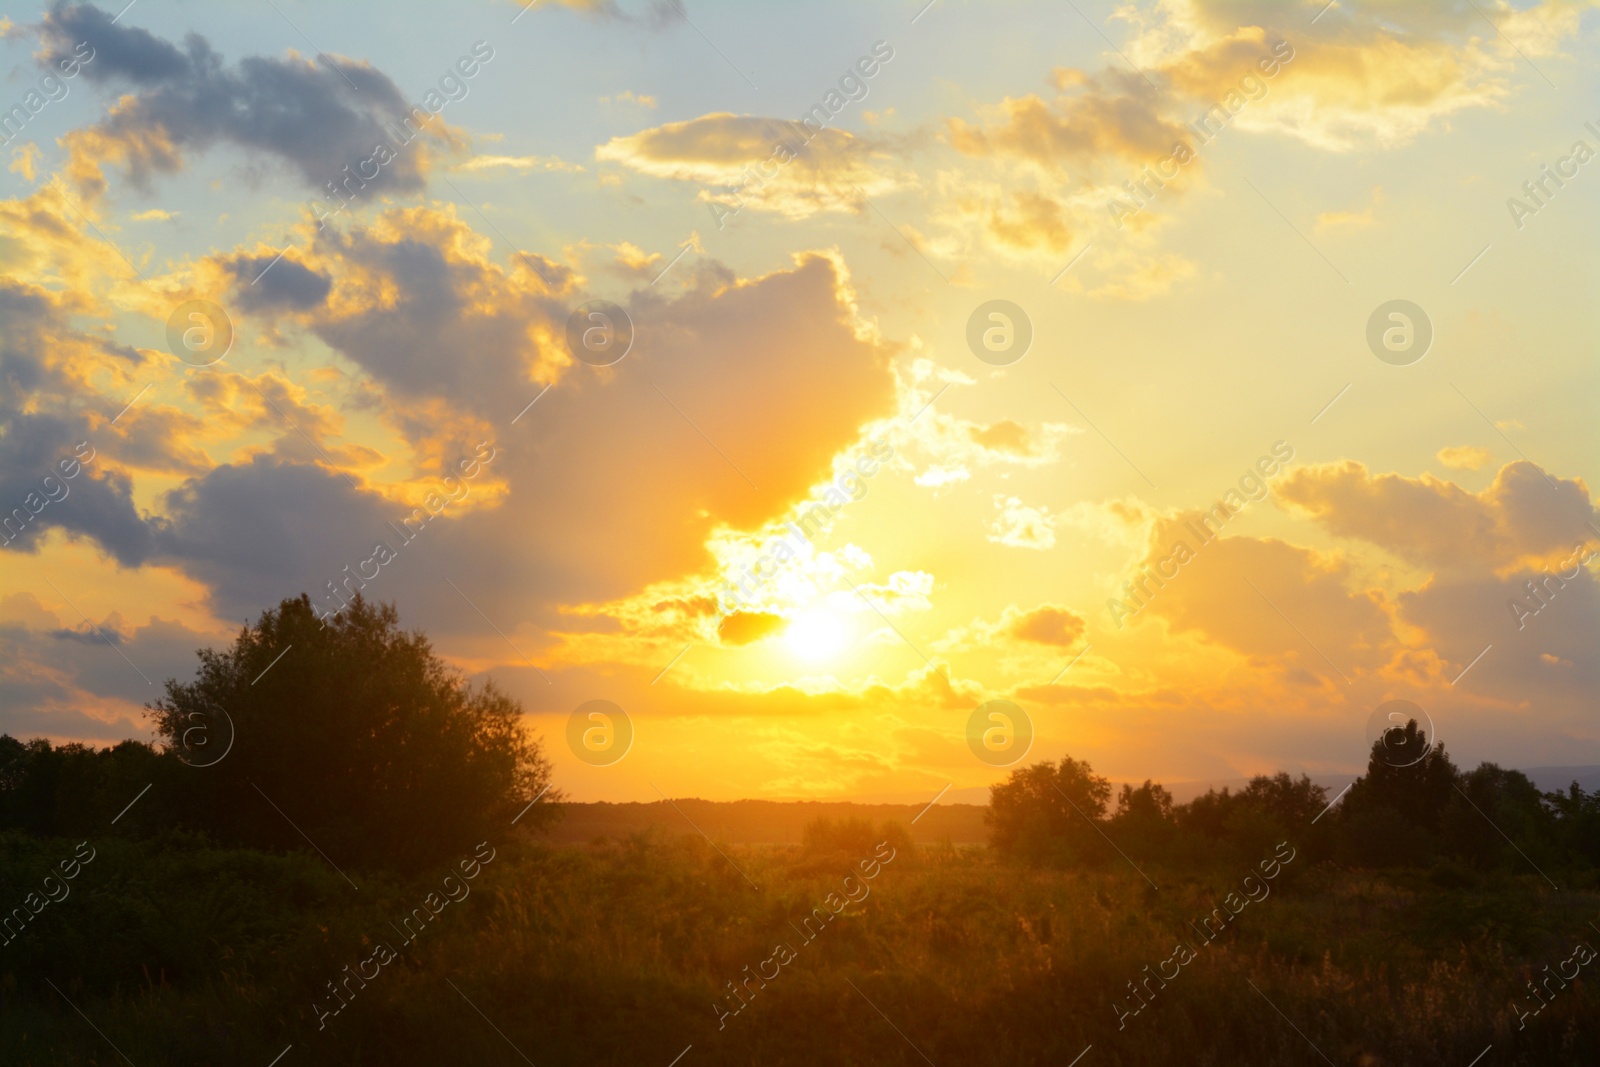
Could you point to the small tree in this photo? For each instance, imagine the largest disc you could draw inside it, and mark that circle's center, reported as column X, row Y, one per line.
column 352, row 734
column 1047, row 813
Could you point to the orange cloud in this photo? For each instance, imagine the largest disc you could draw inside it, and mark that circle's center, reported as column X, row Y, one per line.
column 1521, row 518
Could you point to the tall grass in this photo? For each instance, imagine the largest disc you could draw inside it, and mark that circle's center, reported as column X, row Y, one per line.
column 616, row 953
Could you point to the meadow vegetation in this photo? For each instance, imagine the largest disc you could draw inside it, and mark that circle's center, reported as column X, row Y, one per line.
column 1398, row 927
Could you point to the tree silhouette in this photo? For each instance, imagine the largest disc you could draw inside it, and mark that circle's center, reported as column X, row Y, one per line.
column 1407, row 774
column 1047, row 813
column 351, row 735
column 1395, row 813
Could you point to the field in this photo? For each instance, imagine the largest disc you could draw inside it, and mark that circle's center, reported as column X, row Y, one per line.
column 628, row 951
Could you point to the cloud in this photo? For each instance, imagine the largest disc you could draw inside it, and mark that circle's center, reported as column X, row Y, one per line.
column 1329, row 221
column 1369, row 75
column 1231, row 591
column 1047, row 624
column 59, row 679
column 628, row 96
column 455, row 346
column 25, row 160
column 1464, row 457
column 1020, row 525
column 517, row 163
column 415, row 300
column 945, row 449
column 317, row 117
column 272, row 281
column 1095, row 120
column 1523, row 516
column 768, row 164
column 1020, row 221
column 44, row 365
column 745, row 627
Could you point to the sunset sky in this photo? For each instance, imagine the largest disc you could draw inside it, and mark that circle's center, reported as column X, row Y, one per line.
column 1199, row 298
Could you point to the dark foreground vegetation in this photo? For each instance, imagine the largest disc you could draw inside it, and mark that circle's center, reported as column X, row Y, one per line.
column 1402, row 926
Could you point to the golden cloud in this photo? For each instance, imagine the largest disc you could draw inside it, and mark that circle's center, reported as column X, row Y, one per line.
column 764, row 163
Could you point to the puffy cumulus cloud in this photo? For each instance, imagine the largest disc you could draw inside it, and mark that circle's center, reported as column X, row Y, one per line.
column 1523, row 517
column 1019, row 222
column 765, row 163
column 1512, row 655
column 1020, row 525
column 415, row 300
column 294, row 110
column 256, row 531
column 1048, row 625
column 1231, row 590
column 1370, row 74
column 1096, row 120
column 616, row 479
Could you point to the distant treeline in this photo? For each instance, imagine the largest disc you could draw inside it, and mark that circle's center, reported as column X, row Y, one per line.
column 1413, row 807
column 354, row 735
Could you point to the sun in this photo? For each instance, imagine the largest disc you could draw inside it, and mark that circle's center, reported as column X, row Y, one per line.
column 816, row 635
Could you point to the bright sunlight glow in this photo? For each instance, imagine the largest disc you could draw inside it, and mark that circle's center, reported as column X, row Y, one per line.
column 816, row 635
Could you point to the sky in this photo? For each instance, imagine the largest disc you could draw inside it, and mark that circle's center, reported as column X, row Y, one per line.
column 1192, row 377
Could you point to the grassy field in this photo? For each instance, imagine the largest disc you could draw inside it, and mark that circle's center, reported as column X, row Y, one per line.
column 623, row 953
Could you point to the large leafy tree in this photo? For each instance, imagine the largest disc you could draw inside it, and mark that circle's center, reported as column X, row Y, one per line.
column 1395, row 813
column 351, row 735
column 1408, row 775
column 1048, row 813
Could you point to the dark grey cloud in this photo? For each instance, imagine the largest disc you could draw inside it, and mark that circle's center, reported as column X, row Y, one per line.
column 288, row 286
column 40, row 429
column 317, row 119
column 458, row 327
column 259, row 531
